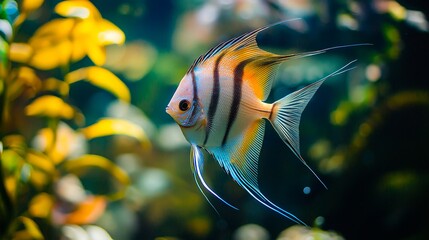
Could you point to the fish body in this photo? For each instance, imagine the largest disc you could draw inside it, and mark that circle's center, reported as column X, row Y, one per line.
column 220, row 107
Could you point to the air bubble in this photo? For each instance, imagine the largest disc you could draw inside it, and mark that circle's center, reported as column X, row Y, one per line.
column 306, row 190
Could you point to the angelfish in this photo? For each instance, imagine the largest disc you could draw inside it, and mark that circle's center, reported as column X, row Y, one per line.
column 220, row 107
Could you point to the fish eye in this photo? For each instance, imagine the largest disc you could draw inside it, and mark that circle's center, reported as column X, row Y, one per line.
column 184, row 105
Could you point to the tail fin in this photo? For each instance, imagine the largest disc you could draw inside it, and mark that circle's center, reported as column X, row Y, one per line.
column 286, row 114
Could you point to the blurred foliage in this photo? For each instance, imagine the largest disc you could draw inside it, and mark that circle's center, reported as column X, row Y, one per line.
column 86, row 155
column 39, row 186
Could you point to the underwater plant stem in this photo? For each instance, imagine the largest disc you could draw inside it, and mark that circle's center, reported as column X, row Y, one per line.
column 5, row 203
column 6, row 206
column 53, row 125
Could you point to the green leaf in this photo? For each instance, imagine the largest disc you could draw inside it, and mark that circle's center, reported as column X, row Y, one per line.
column 4, row 51
column 10, row 160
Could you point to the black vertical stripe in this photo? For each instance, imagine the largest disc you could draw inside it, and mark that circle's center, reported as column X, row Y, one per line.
column 191, row 118
column 194, row 85
column 214, row 100
column 195, row 90
column 235, row 105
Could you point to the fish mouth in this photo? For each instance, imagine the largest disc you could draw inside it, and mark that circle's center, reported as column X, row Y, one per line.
column 168, row 109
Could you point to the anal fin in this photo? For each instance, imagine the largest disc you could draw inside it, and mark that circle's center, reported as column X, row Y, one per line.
column 239, row 157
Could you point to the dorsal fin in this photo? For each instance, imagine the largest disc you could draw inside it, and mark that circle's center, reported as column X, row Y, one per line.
column 259, row 70
column 241, row 48
column 223, row 46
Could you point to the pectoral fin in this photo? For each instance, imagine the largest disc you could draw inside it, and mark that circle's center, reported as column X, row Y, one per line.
column 197, row 165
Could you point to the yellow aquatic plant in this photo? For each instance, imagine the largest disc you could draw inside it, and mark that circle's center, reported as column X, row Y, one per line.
column 101, row 78
column 83, row 32
column 45, row 151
